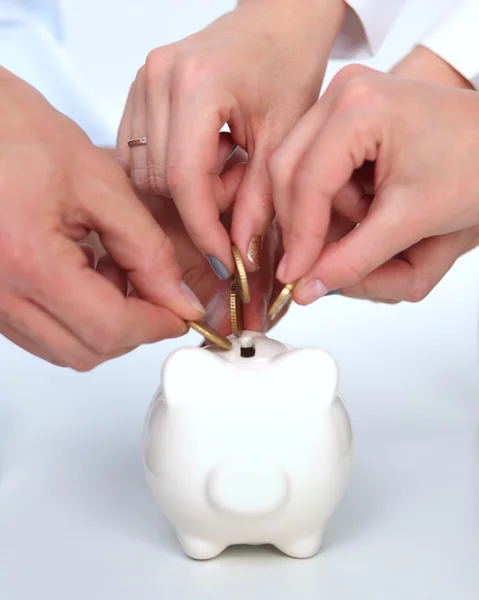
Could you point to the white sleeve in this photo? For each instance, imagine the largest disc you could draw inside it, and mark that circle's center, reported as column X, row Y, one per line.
column 456, row 39
column 365, row 27
column 30, row 48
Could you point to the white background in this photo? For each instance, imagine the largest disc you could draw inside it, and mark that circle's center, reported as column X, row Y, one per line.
column 109, row 40
column 76, row 519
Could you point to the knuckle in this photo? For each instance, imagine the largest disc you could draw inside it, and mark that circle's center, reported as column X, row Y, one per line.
column 354, row 271
column 84, row 363
column 418, row 289
column 358, row 92
column 192, row 72
column 157, row 62
column 301, row 233
column 280, row 169
column 105, row 337
column 18, row 257
column 140, row 75
column 162, row 254
column 349, row 72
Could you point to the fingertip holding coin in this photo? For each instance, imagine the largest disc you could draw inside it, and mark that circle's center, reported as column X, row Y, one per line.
column 285, row 297
column 241, row 276
column 210, row 334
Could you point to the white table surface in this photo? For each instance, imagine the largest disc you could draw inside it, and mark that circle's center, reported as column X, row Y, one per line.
column 77, row 521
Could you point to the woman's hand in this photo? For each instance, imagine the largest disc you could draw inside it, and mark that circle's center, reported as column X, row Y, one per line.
column 258, row 68
column 422, row 140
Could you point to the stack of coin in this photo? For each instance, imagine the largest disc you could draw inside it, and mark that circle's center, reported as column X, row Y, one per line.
column 239, row 294
column 241, row 276
column 236, row 310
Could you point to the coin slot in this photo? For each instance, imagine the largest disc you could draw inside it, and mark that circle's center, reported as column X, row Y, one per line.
column 247, row 348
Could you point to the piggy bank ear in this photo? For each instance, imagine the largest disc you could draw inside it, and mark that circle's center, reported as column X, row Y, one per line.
column 189, row 372
column 307, row 374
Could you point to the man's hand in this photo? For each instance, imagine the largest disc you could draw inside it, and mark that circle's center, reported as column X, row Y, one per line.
column 55, row 188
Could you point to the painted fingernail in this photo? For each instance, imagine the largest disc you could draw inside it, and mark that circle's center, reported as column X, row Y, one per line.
column 281, row 271
column 313, row 290
column 191, row 297
column 254, row 251
column 218, row 267
column 217, row 310
column 333, row 293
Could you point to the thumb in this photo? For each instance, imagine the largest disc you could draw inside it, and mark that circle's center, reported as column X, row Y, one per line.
column 384, row 233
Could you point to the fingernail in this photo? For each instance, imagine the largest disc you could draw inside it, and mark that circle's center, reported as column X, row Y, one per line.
column 191, row 297
column 313, row 290
column 333, row 293
column 254, row 251
column 218, row 267
column 281, row 271
column 216, row 310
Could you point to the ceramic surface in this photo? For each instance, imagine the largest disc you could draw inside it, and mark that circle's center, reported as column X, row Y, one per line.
column 248, row 450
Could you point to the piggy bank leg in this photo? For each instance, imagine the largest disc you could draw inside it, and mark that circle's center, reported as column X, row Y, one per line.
column 198, row 548
column 303, row 547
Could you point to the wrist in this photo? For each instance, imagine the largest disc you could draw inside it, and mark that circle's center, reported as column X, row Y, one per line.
column 422, row 64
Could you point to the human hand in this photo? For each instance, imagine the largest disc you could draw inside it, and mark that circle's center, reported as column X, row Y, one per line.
column 56, row 186
column 424, row 174
column 241, row 70
column 413, row 274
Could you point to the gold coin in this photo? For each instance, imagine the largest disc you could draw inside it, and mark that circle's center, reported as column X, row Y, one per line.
column 211, row 334
column 236, row 310
column 241, row 276
column 283, row 298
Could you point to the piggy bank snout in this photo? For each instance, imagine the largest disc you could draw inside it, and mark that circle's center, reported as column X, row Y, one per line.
column 248, row 488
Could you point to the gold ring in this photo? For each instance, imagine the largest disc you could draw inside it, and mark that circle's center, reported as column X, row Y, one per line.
column 137, row 142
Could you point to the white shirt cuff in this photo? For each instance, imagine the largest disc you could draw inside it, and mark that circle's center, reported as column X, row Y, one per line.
column 456, row 40
column 365, row 27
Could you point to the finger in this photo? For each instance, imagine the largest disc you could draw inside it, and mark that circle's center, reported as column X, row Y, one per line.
column 139, row 154
column 113, row 273
column 29, row 346
column 95, row 311
column 339, row 226
column 139, row 246
column 253, row 210
column 193, row 180
column 124, row 132
column 261, row 286
column 37, row 332
column 415, row 275
column 351, row 202
column 344, row 140
column 377, row 239
column 89, row 253
column 226, row 149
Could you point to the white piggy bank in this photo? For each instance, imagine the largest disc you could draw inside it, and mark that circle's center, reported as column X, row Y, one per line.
column 248, row 449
